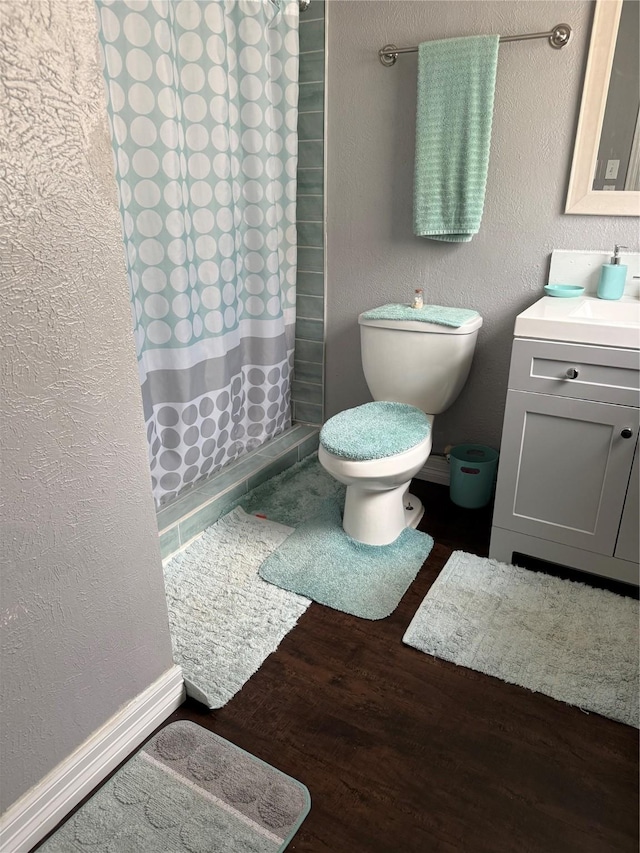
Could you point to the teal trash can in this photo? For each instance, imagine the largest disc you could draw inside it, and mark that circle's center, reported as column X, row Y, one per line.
column 473, row 473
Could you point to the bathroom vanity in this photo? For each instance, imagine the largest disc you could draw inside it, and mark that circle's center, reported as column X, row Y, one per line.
column 567, row 488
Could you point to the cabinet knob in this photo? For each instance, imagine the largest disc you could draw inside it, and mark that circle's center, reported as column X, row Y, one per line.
column 572, row 373
column 626, row 432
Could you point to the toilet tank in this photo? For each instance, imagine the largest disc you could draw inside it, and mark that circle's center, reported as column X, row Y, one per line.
column 423, row 364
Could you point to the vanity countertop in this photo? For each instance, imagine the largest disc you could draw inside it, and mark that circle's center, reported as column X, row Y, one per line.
column 584, row 319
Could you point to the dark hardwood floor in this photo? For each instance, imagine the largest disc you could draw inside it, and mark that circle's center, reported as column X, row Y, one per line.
column 404, row 752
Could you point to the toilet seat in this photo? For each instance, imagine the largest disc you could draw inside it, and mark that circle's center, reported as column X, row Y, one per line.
column 375, row 431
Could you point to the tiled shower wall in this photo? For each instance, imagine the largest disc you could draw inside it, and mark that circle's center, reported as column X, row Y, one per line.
column 308, row 383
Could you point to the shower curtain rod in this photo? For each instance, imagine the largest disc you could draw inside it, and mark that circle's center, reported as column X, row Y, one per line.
column 558, row 37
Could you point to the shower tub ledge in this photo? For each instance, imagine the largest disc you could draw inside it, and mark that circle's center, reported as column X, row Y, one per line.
column 189, row 514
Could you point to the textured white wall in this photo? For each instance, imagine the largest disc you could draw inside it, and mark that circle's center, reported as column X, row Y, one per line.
column 373, row 257
column 83, row 614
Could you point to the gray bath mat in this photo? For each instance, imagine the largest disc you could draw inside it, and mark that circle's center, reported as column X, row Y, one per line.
column 320, row 561
column 224, row 619
column 188, row 791
column 565, row 639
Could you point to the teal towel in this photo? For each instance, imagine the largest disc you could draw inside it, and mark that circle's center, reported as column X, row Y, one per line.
column 439, row 314
column 456, row 85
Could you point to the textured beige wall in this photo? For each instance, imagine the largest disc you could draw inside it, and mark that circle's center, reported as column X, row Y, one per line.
column 373, row 257
column 83, row 616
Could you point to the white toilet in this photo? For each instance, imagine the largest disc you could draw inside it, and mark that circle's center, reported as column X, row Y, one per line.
column 414, row 370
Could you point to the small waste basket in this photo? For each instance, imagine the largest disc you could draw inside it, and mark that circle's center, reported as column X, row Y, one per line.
column 473, row 473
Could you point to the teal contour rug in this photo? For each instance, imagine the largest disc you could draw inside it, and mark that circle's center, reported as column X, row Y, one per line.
column 321, row 562
column 188, row 791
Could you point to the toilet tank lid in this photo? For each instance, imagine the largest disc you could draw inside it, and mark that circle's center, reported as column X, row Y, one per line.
column 437, row 319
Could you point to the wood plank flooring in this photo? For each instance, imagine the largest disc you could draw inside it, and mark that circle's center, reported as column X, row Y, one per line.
column 403, row 752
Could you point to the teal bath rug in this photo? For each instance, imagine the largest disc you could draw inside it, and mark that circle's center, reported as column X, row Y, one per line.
column 558, row 637
column 295, row 495
column 321, row 562
column 188, row 791
column 224, row 619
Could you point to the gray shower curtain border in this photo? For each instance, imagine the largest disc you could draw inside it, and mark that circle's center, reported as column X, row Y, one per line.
column 213, row 374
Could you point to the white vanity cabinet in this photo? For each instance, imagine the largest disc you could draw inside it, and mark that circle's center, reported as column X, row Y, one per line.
column 567, row 486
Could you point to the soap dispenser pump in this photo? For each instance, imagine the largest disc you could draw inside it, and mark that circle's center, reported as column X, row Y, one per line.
column 612, row 277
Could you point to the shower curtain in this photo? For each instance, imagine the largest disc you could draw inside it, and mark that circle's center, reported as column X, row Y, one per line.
column 202, row 99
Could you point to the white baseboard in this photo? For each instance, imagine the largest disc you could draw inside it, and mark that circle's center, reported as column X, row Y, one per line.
column 436, row 470
column 31, row 817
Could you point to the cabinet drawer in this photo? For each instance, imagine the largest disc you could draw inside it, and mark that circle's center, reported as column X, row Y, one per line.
column 601, row 374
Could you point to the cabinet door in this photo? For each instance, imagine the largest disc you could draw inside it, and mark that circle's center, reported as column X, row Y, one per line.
column 628, row 544
column 564, row 469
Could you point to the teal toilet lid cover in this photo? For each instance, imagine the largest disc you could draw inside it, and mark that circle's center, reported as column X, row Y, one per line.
column 374, row 431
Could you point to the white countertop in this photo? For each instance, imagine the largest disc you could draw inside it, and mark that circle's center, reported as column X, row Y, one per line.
column 583, row 319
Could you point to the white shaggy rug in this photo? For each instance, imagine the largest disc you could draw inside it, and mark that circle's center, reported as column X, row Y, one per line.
column 224, row 619
column 565, row 639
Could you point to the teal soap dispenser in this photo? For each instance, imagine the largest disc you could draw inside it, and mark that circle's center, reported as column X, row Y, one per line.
column 612, row 277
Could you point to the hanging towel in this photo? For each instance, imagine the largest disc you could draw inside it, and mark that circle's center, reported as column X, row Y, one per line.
column 456, row 85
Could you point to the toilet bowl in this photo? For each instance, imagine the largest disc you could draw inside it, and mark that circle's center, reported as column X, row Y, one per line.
column 378, row 505
column 377, row 474
column 414, row 370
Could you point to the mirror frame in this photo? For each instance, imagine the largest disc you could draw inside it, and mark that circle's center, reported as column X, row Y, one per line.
column 581, row 198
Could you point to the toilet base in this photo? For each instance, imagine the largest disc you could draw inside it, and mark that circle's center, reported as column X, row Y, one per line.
column 379, row 517
column 412, row 516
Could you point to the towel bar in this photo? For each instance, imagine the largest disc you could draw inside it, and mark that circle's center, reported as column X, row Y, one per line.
column 558, row 37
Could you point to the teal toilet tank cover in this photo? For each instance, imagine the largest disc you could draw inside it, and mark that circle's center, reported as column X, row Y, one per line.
column 440, row 314
column 374, row 431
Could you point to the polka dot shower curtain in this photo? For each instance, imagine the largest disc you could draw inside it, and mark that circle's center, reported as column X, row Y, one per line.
column 202, row 99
